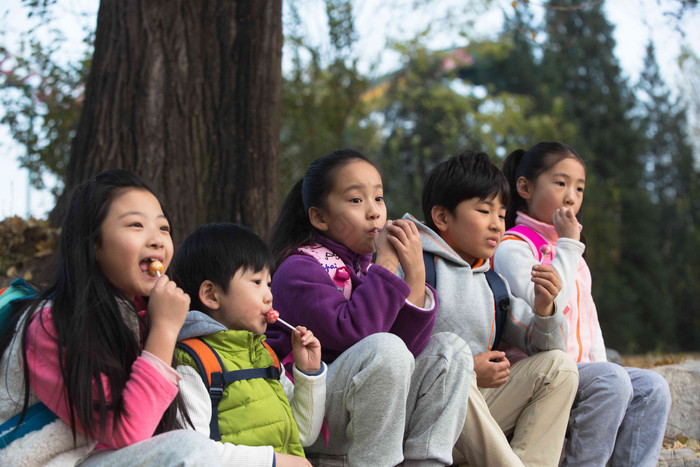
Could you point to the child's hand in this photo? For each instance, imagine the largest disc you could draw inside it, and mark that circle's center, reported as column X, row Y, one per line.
column 386, row 254
column 404, row 237
column 167, row 309
column 307, row 350
column 547, row 286
column 492, row 369
column 566, row 224
column 288, row 460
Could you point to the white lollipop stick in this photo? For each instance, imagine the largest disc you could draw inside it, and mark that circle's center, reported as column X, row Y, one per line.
column 286, row 324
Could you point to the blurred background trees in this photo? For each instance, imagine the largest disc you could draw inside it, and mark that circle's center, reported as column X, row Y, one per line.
column 550, row 73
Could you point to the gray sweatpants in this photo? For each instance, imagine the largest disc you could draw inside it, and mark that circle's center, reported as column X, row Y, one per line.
column 383, row 407
column 185, row 448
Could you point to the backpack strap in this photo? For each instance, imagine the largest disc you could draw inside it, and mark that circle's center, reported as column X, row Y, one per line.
column 501, row 302
column 334, row 266
column 430, row 276
column 211, row 370
column 501, row 299
column 533, row 239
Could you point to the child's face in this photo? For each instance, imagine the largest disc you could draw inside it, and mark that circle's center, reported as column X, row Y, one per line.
column 247, row 301
column 133, row 233
column 475, row 228
column 355, row 211
column 560, row 186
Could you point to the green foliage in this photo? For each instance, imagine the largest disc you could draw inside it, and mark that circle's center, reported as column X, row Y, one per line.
column 41, row 98
column 321, row 95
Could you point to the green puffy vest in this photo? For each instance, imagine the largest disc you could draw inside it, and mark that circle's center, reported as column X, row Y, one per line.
column 252, row 412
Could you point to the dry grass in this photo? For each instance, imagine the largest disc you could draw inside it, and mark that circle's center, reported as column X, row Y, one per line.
column 657, row 359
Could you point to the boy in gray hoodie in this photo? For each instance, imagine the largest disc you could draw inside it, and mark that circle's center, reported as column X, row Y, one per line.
column 464, row 204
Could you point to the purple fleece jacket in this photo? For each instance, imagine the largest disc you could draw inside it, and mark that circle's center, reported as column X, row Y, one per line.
column 304, row 294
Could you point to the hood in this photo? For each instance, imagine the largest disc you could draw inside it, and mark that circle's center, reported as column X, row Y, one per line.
column 434, row 244
column 199, row 324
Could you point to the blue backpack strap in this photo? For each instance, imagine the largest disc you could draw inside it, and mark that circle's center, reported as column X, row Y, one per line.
column 211, row 369
column 501, row 303
column 36, row 417
column 430, row 276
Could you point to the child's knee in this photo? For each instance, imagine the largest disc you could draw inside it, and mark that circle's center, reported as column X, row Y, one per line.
column 656, row 390
column 387, row 353
column 612, row 380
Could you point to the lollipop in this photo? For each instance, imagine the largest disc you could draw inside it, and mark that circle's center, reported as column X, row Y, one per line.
column 544, row 251
column 274, row 315
column 155, row 268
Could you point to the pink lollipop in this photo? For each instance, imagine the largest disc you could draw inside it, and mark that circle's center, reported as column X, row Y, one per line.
column 155, row 268
column 274, row 315
column 544, row 251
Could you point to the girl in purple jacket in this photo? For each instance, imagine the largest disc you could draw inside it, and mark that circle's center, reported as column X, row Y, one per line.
column 394, row 394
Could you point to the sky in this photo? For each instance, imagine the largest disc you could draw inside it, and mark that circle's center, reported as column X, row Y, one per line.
column 635, row 22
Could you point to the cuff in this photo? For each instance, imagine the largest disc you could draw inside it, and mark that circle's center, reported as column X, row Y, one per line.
column 163, row 368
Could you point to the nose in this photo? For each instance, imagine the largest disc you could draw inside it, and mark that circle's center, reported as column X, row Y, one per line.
column 496, row 222
column 155, row 239
column 569, row 196
column 373, row 211
column 267, row 298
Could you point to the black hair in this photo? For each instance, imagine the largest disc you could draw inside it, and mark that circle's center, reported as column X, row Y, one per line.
column 531, row 164
column 88, row 312
column 215, row 252
column 293, row 228
column 468, row 175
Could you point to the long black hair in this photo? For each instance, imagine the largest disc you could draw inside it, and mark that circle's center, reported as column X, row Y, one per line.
column 293, row 228
column 87, row 312
column 215, row 252
column 531, row 164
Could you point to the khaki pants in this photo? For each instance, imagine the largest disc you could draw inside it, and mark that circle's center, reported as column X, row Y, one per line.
column 533, row 406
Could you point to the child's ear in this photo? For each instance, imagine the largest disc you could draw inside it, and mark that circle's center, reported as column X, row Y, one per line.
column 439, row 215
column 207, row 295
column 524, row 188
column 317, row 219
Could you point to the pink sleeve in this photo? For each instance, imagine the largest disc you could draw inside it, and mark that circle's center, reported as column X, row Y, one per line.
column 147, row 394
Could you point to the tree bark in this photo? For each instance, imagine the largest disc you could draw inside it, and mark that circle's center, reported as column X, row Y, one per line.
column 186, row 94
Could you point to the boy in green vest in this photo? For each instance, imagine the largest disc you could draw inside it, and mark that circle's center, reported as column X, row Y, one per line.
column 242, row 400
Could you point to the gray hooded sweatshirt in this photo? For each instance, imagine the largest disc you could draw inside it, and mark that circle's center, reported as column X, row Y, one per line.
column 467, row 305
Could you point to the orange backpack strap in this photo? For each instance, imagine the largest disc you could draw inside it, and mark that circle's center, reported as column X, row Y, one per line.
column 275, row 360
column 211, row 370
column 204, row 356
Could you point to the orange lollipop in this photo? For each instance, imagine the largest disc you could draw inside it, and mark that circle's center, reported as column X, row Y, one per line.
column 156, row 268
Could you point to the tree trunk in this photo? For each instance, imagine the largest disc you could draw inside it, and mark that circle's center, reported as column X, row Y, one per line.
column 186, row 94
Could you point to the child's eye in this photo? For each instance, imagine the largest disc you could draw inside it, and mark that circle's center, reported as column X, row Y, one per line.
column 136, row 224
column 356, row 200
column 165, row 228
column 560, row 183
column 257, row 281
column 580, row 189
column 483, row 211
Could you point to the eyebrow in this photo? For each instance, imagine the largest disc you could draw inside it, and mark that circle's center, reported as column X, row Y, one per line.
column 357, row 186
column 139, row 213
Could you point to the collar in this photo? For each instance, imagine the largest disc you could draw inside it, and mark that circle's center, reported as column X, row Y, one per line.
column 546, row 230
column 359, row 263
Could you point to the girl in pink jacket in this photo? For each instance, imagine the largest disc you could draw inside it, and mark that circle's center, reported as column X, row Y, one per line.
column 619, row 414
column 98, row 343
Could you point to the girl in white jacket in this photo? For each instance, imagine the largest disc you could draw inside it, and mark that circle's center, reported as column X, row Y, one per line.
column 619, row 414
